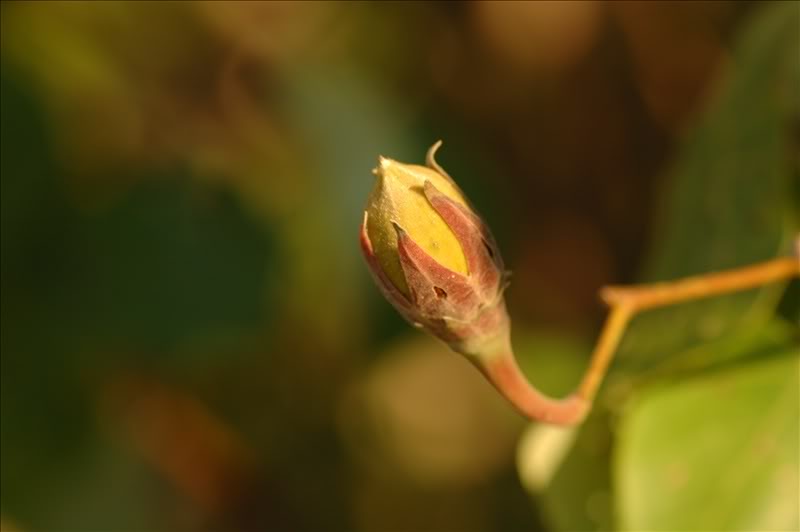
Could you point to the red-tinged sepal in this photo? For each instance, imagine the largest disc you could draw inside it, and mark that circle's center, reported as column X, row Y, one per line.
column 483, row 259
column 436, row 292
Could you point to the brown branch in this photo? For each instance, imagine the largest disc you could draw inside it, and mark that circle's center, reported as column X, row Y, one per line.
column 610, row 337
column 626, row 301
column 645, row 297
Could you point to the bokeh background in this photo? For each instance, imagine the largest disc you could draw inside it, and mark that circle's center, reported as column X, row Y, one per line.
column 190, row 338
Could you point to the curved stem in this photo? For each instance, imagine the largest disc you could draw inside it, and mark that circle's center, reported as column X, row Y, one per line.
column 501, row 368
column 494, row 357
column 506, row 376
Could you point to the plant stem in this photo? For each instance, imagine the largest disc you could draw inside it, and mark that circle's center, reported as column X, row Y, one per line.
column 506, row 376
column 613, row 330
column 645, row 297
column 625, row 301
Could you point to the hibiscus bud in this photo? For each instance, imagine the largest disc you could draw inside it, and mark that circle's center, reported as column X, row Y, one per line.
column 433, row 257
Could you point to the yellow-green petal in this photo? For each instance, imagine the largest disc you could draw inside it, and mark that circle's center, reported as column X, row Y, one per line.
column 398, row 197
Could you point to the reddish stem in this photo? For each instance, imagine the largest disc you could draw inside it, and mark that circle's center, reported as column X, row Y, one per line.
column 505, row 375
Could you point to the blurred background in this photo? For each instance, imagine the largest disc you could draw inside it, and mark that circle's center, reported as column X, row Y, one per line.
column 190, row 338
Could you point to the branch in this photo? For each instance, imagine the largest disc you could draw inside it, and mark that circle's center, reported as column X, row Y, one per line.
column 645, row 297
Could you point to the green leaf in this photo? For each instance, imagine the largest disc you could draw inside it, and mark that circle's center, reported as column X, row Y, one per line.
column 737, row 346
column 716, row 452
column 729, row 201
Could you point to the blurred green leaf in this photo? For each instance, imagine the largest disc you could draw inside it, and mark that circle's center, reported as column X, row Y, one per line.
column 730, row 200
column 172, row 264
column 716, row 452
column 44, row 413
column 748, row 342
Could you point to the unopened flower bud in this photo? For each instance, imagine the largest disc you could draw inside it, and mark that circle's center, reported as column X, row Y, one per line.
column 433, row 257
column 436, row 261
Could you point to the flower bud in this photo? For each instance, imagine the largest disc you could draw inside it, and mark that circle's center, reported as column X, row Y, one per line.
column 432, row 256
